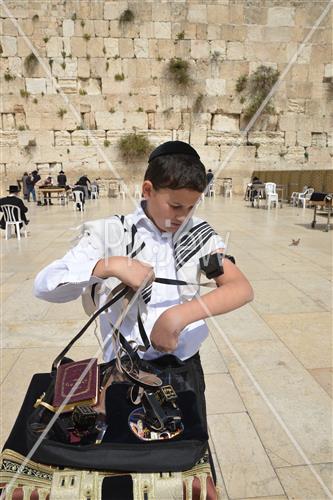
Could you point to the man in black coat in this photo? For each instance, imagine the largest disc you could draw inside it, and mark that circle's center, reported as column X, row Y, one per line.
column 62, row 179
column 13, row 199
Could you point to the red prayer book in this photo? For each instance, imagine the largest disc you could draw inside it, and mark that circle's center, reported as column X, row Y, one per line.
column 87, row 390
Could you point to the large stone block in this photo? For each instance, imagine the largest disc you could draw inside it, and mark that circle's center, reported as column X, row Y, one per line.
column 88, row 138
column 54, row 46
column 86, row 28
column 225, row 139
column 62, row 138
column 36, row 85
column 147, row 30
column 101, row 28
column 153, row 49
column 23, row 49
column 200, row 49
column 162, row 30
column 95, row 47
column 141, row 48
column 217, row 14
column 68, row 27
column 161, row 11
column 9, row 46
column 78, row 47
column 166, row 49
column 266, row 138
column 20, row 120
column 215, row 86
column 197, row 13
column 213, row 32
column 225, row 123
column 136, row 120
column 233, row 33
column 8, row 121
column 201, row 32
column 281, row 16
column 126, row 47
column 83, row 68
column 303, row 138
column 172, row 120
column 113, row 10
column 69, row 71
column 111, row 47
column 255, row 33
column 109, row 121
column 235, row 51
column 8, row 28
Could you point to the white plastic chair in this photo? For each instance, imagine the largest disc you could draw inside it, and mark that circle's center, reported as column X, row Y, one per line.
column 78, row 198
column 271, row 194
column 94, row 192
column 123, row 190
column 12, row 217
column 227, row 188
column 212, row 191
column 294, row 196
column 137, row 192
column 304, row 197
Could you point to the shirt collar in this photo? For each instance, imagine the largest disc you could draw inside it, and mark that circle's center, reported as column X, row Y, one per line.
column 139, row 217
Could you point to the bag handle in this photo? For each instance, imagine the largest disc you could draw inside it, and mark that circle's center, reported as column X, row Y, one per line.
column 122, row 292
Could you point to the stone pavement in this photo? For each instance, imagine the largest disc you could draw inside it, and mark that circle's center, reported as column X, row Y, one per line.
column 268, row 365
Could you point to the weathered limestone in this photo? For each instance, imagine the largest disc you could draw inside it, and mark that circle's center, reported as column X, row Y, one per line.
column 116, row 76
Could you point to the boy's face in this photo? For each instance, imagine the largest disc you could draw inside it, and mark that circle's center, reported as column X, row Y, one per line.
column 168, row 208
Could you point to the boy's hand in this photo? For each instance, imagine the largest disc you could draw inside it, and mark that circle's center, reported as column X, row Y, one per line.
column 131, row 272
column 165, row 333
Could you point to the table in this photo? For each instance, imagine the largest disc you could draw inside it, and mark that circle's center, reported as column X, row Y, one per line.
column 327, row 208
column 53, row 191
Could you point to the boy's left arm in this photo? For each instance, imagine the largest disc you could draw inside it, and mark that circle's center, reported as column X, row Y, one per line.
column 233, row 291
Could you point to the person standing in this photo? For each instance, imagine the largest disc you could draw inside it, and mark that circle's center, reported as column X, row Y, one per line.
column 25, row 187
column 32, row 180
column 62, row 179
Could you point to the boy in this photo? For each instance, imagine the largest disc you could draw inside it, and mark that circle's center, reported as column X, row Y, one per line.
column 159, row 239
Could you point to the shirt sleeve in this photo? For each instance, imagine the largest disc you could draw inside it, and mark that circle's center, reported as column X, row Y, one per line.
column 65, row 279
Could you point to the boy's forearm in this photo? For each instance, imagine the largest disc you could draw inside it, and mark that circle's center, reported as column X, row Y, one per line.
column 224, row 299
column 105, row 268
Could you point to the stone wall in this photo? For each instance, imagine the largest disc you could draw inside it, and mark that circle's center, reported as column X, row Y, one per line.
column 69, row 108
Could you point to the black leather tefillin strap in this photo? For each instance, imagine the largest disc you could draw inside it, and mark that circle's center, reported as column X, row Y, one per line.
column 121, row 293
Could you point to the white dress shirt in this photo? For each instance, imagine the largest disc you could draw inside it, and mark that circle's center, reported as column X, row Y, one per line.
column 65, row 279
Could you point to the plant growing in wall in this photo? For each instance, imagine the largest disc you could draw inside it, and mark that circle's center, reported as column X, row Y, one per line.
column 133, row 146
column 8, row 76
column 126, row 17
column 178, row 70
column 24, row 93
column 255, row 89
column 30, row 146
column 180, row 35
column 61, row 112
column 119, row 77
column 30, row 63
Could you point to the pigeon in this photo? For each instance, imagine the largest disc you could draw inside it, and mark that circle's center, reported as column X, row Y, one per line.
column 295, row 242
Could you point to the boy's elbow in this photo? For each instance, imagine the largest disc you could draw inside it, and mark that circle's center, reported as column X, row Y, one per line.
column 249, row 293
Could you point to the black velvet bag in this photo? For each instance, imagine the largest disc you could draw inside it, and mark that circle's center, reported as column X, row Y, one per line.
column 120, row 449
